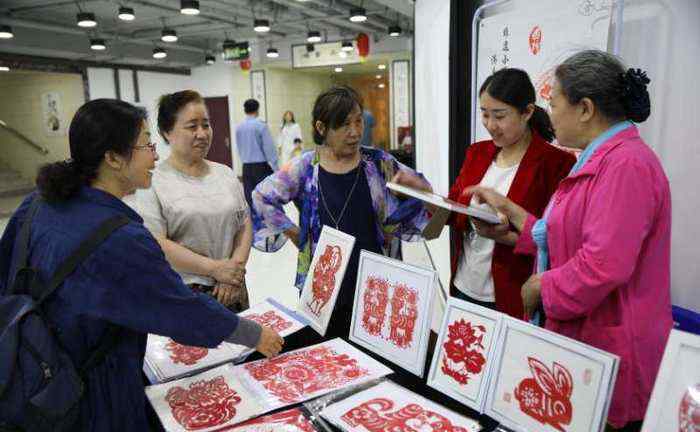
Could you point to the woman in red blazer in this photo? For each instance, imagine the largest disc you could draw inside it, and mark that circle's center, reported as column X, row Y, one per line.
column 520, row 163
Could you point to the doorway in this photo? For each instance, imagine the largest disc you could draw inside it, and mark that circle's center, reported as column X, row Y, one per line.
column 219, row 119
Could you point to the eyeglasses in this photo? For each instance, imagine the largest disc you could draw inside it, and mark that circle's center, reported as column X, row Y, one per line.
column 149, row 146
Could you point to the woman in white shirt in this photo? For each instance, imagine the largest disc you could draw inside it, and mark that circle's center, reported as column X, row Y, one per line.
column 195, row 208
column 289, row 131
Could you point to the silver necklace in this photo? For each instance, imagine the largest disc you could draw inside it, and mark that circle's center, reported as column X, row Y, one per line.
column 336, row 222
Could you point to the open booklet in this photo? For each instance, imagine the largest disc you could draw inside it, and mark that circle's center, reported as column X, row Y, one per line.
column 442, row 202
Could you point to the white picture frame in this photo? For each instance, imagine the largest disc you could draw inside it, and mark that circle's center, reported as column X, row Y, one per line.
column 675, row 400
column 274, row 315
column 463, row 358
column 392, row 406
column 580, row 378
column 326, row 273
column 392, row 310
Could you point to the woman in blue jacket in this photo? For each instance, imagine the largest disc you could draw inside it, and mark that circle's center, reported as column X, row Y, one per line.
column 126, row 282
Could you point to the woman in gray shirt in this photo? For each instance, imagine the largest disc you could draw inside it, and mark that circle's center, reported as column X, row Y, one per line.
column 195, row 208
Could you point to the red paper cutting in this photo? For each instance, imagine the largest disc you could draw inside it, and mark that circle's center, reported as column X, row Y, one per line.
column 374, row 416
column 289, row 420
column 689, row 411
column 205, row 404
column 324, row 278
column 184, row 354
column 404, row 313
column 546, row 396
column 292, row 377
column 376, row 300
column 271, row 319
column 463, row 351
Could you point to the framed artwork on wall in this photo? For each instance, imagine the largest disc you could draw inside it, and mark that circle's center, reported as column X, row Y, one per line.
column 326, row 273
column 463, row 358
column 392, row 310
column 258, row 92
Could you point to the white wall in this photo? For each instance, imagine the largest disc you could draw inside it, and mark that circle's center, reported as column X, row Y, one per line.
column 432, row 45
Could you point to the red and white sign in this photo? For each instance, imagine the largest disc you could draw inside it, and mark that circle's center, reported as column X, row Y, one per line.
column 325, row 275
column 392, row 310
column 310, row 372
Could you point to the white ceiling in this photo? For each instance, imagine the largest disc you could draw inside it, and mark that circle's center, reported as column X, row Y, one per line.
column 48, row 27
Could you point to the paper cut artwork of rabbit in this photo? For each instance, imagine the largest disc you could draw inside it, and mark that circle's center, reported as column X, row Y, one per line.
column 546, row 397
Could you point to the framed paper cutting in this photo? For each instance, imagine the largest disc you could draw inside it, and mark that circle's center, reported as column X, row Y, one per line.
column 464, row 351
column 326, row 273
column 166, row 359
column 389, row 407
column 309, row 372
column 675, row 400
column 205, row 402
column 547, row 382
column 272, row 314
column 392, row 310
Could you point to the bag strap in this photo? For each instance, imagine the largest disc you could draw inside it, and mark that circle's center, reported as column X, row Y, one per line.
column 24, row 234
column 85, row 248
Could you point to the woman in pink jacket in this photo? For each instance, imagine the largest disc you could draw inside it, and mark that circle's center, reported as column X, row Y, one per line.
column 603, row 245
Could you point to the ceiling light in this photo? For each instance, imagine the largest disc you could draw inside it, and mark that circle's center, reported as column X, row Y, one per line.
column 126, row 14
column 381, row 85
column 338, row 69
column 168, row 35
column 342, row 54
column 273, row 53
column 261, row 26
column 379, row 77
column 313, row 36
column 394, row 31
column 381, row 66
column 358, row 14
column 159, row 53
column 6, row 32
column 86, row 19
column 189, row 7
column 98, row 44
column 209, row 59
column 347, row 46
column 4, row 69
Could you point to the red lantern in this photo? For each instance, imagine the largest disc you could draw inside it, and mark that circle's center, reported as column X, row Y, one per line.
column 246, row 65
column 362, row 45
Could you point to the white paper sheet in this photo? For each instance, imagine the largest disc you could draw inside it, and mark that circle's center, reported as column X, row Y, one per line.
column 272, row 314
column 325, row 275
column 309, row 372
column 205, row 402
column 388, row 407
column 292, row 420
column 392, row 310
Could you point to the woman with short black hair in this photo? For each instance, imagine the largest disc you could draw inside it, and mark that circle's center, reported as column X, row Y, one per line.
column 126, row 282
column 342, row 185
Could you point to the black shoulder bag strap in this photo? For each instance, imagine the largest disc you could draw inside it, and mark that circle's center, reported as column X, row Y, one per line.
column 23, row 245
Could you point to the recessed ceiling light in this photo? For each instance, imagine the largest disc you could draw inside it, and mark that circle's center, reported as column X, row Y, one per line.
column 358, row 14
column 209, row 59
column 261, row 25
column 313, row 36
column 273, row 53
column 168, row 35
column 6, row 32
column 4, row 69
column 338, row 69
column 98, row 44
column 347, row 46
column 86, row 19
column 159, row 53
column 381, row 85
column 189, row 7
column 394, row 31
column 379, row 77
column 126, row 14
column 381, row 66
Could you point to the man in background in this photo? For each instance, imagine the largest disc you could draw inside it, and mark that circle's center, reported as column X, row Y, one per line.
column 368, row 118
column 255, row 147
